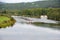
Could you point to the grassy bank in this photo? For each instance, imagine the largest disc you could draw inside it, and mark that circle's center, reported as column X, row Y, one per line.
column 6, row 21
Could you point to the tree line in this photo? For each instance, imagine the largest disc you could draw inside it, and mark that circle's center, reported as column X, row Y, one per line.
column 52, row 13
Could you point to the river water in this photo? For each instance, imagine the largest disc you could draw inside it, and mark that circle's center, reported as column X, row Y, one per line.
column 22, row 31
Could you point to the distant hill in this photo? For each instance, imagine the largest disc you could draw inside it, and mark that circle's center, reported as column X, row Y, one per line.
column 1, row 5
column 37, row 4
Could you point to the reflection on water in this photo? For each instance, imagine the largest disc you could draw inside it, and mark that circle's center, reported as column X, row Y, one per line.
column 10, row 25
column 23, row 31
column 28, row 32
column 50, row 25
column 43, row 21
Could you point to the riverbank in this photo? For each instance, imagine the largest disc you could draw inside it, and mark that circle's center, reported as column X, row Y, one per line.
column 29, row 19
column 6, row 21
column 52, row 13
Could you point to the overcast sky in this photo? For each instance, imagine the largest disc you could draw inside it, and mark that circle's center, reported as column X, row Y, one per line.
column 16, row 1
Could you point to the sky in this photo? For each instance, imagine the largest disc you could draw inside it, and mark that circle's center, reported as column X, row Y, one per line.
column 17, row 1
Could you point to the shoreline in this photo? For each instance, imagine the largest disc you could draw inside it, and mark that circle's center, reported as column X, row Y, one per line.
column 7, row 21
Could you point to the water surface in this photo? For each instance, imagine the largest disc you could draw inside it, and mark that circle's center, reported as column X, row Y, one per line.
column 23, row 31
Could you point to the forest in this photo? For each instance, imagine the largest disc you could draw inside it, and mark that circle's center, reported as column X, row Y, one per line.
column 52, row 13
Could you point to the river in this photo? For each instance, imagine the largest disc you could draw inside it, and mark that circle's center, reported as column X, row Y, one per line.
column 22, row 31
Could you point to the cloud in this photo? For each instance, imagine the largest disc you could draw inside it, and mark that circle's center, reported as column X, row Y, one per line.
column 16, row 1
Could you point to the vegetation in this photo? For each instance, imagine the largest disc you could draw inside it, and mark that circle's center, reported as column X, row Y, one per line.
column 37, row 4
column 52, row 13
column 51, row 8
column 6, row 21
